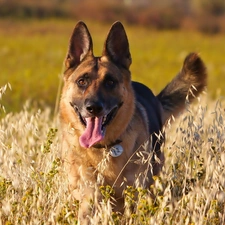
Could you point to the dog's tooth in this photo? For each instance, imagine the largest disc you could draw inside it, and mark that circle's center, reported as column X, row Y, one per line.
column 104, row 119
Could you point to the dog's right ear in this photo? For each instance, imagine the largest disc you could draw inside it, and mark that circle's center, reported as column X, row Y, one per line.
column 80, row 45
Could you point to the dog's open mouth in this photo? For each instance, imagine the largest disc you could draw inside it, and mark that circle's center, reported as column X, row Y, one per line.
column 95, row 128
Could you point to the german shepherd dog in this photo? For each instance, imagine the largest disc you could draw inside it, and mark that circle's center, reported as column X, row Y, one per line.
column 112, row 127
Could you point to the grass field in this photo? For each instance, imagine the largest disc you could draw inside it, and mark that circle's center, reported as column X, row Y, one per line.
column 32, row 54
column 190, row 189
column 33, row 186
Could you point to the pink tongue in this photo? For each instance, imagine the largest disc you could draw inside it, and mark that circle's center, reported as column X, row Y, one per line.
column 92, row 133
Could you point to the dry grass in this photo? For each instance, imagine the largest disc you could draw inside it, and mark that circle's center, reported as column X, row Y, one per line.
column 190, row 189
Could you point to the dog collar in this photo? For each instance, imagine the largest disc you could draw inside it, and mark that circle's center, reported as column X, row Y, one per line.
column 115, row 149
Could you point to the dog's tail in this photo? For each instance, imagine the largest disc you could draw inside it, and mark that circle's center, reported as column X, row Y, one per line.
column 185, row 87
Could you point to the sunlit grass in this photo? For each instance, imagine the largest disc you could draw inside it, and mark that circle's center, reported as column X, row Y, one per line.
column 32, row 54
column 189, row 190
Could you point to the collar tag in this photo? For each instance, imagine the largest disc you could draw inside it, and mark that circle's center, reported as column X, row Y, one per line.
column 116, row 150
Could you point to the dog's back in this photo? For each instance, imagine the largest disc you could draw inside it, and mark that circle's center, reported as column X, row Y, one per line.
column 183, row 89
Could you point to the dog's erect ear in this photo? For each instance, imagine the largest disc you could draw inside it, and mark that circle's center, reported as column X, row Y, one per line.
column 80, row 45
column 117, row 47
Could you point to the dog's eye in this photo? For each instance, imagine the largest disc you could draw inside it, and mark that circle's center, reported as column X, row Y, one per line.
column 82, row 82
column 110, row 82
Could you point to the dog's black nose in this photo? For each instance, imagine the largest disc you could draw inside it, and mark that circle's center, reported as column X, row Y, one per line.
column 94, row 108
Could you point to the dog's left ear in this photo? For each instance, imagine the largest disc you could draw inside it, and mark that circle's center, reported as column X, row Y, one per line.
column 80, row 45
column 117, row 46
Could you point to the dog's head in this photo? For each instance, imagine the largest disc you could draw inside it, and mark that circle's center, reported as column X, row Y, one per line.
column 97, row 89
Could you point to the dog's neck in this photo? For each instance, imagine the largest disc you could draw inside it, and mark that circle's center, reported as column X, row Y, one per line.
column 98, row 146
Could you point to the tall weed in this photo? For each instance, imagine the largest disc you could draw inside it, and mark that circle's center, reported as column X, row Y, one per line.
column 189, row 190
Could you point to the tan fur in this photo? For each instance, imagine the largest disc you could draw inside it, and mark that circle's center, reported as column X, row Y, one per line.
column 86, row 79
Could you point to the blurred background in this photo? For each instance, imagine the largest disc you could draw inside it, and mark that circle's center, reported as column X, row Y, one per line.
column 34, row 38
column 204, row 15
